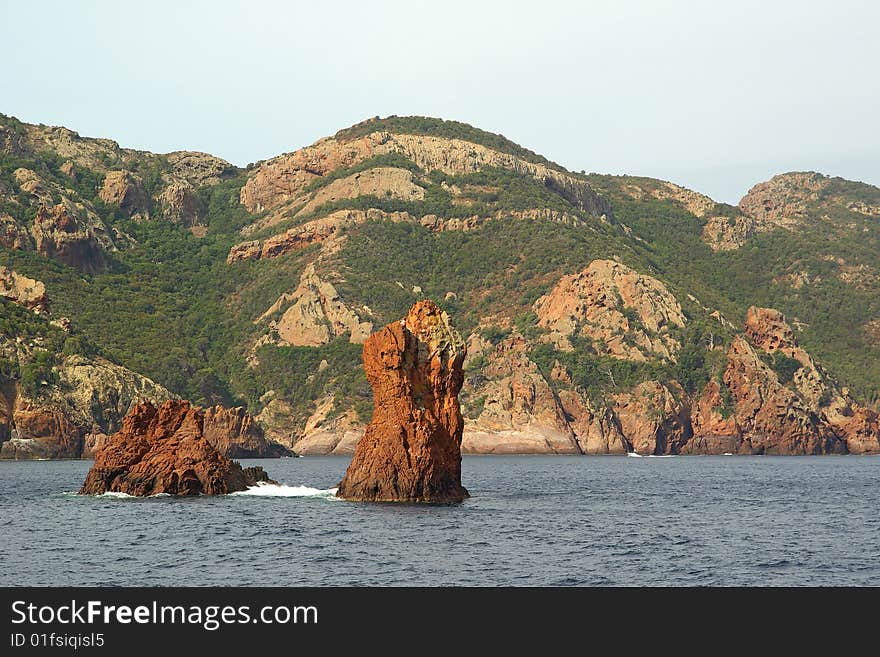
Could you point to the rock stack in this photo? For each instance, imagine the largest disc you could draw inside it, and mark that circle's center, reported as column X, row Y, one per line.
column 411, row 450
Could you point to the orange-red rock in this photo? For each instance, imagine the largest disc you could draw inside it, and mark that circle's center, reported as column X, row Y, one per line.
column 164, row 450
column 654, row 418
column 411, row 450
column 236, row 435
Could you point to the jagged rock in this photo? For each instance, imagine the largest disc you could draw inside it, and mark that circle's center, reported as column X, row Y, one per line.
column 164, row 450
column 315, row 314
column 235, row 434
column 41, row 433
column 22, row 290
column 772, row 418
column 411, row 450
column 626, row 314
column 58, row 235
column 654, row 418
column 859, row 427
column 125, row 191
column 179, row 203
column 518, row 411
column 715, row 430
column 782, row 201
column 596, row 429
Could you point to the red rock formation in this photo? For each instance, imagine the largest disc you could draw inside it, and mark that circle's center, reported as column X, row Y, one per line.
column 411, row 450
column 164, row 450
column 714, row 423
column 596, row 429
column 58, row 235
column 125, row 191
column 235, row 434
column 773, row 418
column 860, row 427
column 768, row 330
column 654, row 418
column 40, row 433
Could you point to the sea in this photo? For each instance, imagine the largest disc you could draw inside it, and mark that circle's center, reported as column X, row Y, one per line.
column 530, row 521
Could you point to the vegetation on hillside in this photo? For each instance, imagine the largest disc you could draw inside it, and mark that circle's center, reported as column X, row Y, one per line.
column 425, row 125
column 169, row 307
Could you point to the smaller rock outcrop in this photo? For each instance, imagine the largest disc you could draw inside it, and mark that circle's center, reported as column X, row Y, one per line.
column 22, row 290
column 783, row 200
column 411, row 450
column 315, row 314
column 125, row 191
column 180, row 203
column 57, row 234
column 164, row 451
column 625, row 314
column 236, row 435
column 514, row 408
column 654, row 418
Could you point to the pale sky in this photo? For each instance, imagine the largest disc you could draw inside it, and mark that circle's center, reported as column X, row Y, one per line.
column 713, row 95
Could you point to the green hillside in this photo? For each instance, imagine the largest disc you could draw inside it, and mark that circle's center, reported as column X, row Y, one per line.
column 169, row 306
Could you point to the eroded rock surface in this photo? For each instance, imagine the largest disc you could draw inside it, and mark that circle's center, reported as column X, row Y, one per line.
column 626, row 314
column 236, row 434
column 314, row 314
column 22, row 290
column 164, row 451
column 411, row 450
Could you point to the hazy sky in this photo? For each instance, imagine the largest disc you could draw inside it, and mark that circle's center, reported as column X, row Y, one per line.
column 712, row 95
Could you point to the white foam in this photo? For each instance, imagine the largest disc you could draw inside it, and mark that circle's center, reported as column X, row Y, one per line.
column 114, row 495
column 634, row 455
column 727, row 454
column 264, row 489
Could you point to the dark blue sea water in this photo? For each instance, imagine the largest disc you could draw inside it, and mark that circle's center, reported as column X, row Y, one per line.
column 531, row 520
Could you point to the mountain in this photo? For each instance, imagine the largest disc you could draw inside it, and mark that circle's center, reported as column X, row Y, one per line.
column 603, row 314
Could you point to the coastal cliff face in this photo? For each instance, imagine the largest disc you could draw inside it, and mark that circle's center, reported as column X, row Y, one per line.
column 410, row 451
column 61, row 405
column 164, row 451
column 236, row 435
column 603, row 314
